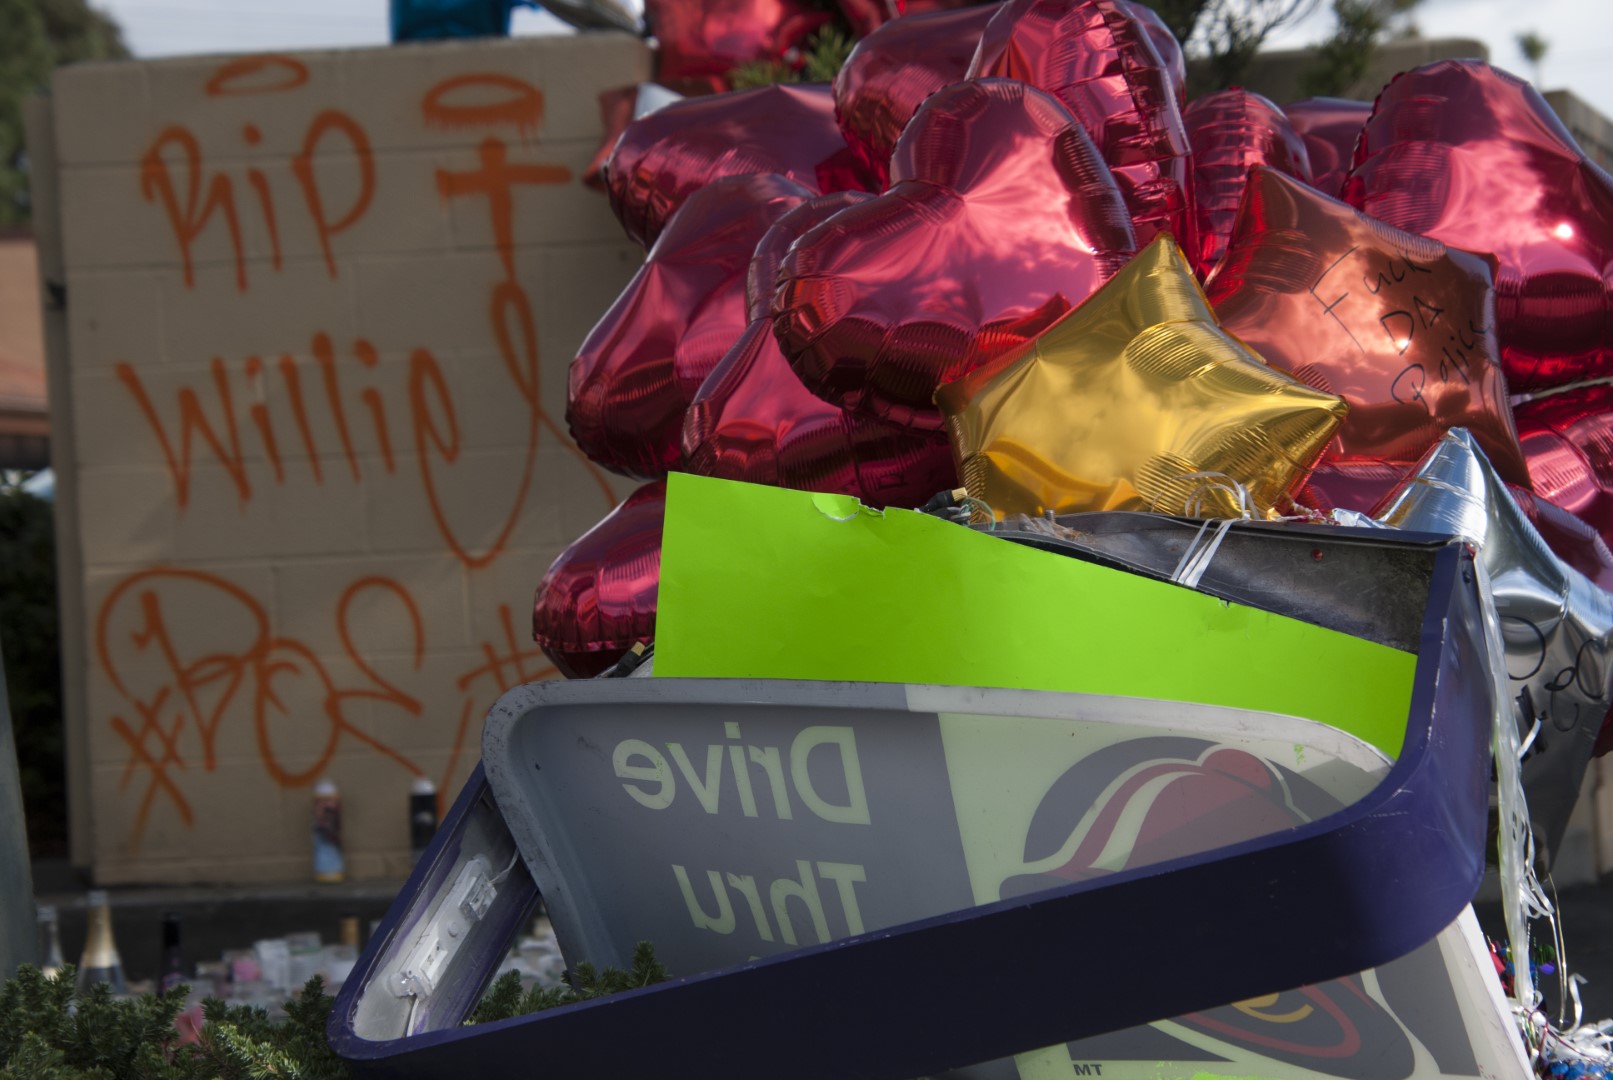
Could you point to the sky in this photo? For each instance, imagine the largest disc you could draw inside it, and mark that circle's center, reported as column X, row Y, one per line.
column 1579, row 32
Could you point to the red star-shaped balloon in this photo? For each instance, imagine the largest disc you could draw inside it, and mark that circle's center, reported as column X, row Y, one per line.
column 1400, row 326
column 675, row 151
column 1000, row 217
column 641, row 364
column 1232, row 131
column 597, row 600
column 1474, row 157
column 754, row 421
column 891, row 71
column 1096, row 58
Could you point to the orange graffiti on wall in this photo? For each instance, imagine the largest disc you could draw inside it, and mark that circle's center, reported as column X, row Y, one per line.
column 267, row 73
column 178, row 687
column 190, row 194
column 179, row 690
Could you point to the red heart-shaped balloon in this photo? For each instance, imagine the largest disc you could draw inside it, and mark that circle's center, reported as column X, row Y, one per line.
column 754, row 421
column 665, row 157
column 1568, row 440
column 597, row 600
column 1472, row 156
column 867, row 16
column 1400, row 326
column 615, row 113
column 1329, row 127
column 642, row 363
column 704, row 40
column 1166, row 47
column 891, row 71
column 1096, row 58
column 1231, row 132
column 1000, row 217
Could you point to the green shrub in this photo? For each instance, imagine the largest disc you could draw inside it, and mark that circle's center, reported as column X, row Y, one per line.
column 46, row 1033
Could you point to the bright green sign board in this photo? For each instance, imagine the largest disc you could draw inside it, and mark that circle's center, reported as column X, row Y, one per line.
column 766, row 583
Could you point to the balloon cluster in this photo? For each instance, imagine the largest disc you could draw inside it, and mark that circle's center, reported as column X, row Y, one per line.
column 1003, row 249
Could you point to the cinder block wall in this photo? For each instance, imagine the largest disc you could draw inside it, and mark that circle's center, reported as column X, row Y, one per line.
column 318, row 312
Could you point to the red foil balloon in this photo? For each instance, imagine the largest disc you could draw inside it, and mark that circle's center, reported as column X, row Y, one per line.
column 891, row 71
column 1166, row 47
column 1000, row 217
column 703, row 40
column 615, row 113
column 1096, row 58
column 1232, row 131
column 754, row 421
column 1349, row 485
column 668, row 155
column 1574, row 541
column 1568, row 440
column 597, row 599
column 1329, row 127
column 867, row 16
column 642, row 363
column 1475, row 157
column 1400, row 326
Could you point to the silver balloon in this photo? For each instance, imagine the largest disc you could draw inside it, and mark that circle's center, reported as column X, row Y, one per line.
column 1556, row 623
column 652, row 97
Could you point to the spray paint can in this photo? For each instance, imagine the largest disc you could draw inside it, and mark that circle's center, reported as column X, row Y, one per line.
column 329, row 865
column 422, row 817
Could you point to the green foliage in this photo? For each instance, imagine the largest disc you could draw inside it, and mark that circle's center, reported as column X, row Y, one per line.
column 1229, row 33
column 825, row 55
column 28, row 645
column 1534, row 48
column 1343, row 58
column 36, row 36
column 46, row 1033
column 583, row 983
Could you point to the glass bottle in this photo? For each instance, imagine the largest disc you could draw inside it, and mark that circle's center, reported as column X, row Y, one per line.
column 100, row 962
column 50, row 939
column 172, row 968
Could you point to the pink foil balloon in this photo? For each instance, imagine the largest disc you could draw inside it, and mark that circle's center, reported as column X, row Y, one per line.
column 641, row 364
column 754, row 421
column 668, row 155
column 1232, row 131
column 1166, row 47
column 1470, row 155
column 1329, row 127
column 703, row 40
column 1568, row 441
column 891, row 72
column 598, row 598
column 1097, row 59
column 1000, row 217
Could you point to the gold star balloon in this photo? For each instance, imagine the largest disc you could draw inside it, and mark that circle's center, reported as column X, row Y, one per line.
column 1136, row 400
